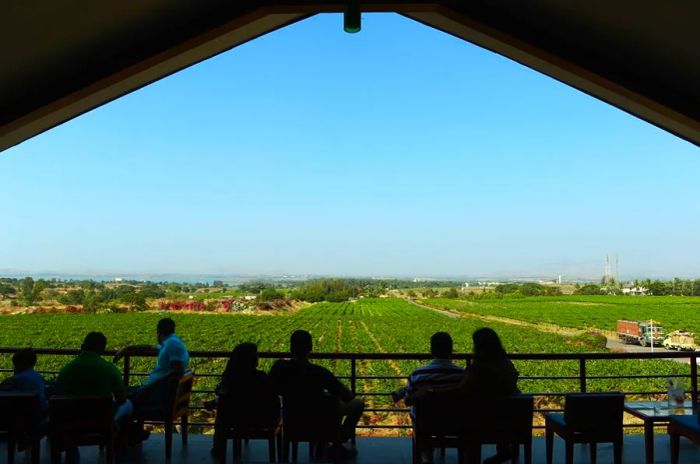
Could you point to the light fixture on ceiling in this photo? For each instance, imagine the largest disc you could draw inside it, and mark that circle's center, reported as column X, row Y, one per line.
column 352, row 17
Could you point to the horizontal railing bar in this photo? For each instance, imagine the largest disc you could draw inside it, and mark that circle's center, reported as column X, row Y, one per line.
column 388, row 356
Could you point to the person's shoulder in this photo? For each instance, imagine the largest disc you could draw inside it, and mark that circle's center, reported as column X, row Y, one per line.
column 320, row 370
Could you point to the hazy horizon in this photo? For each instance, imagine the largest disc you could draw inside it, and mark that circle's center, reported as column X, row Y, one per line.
column 398, row 151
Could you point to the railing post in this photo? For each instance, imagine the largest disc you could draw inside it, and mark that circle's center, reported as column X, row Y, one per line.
column 694, row 380
column 127, row 369
column 353, row 375
column 582, row 374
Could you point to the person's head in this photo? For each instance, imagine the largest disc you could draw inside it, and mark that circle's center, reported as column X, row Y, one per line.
column 23, row 360
column 300, row 344
column 244, row 358
column 95, row 342
column 166, row 326
column 487, row 345
column 441, row 345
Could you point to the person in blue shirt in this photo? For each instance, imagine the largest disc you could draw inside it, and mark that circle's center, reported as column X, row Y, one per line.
column 27, row 380
column 172, row 361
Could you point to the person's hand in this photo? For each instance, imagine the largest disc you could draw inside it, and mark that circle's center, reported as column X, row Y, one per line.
column 416, row 395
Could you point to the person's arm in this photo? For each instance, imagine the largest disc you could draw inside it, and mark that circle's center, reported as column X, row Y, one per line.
column 335, row 387
column 133, row 349
column 118, row 387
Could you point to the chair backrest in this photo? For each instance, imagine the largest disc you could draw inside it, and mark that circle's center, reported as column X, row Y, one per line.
column 596, row 413
column 182, row 394
column 19, row 412
column 509, row 416
column 307, row 419
column 437, row 416
column 80, row 415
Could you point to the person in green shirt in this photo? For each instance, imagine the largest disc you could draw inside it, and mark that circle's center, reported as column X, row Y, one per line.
column 89, row 374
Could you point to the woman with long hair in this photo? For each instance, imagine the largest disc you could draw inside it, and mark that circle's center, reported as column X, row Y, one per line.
column 245, row 396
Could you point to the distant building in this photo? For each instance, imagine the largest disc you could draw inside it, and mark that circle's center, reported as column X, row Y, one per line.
column 118, row 280
column 635, row 291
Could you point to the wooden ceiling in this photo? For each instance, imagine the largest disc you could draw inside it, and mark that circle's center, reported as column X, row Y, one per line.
column 63, row 58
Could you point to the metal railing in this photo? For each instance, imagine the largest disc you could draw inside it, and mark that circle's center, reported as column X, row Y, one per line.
column 353, row 376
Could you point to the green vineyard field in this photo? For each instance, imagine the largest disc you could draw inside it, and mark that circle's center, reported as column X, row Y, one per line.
column 368, row 325
column 600, row 312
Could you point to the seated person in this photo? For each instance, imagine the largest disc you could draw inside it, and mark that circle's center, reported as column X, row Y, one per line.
column 27, row 380
column 311, row 387
column 441, row 372
column 89, row 374
column 172, row 362
column 245, row 396
column 491, row 375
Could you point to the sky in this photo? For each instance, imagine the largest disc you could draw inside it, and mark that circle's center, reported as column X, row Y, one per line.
column 398, row 151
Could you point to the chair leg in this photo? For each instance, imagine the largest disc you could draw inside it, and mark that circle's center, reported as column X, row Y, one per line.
column 184, row 424
column 295, row 450
column 271, row 448
column 442, row 452
column 55, row 454
column 109, row 458
column 675, row 447
column 514, row 450
column 11, row 446
column 569, row 445
column 593, row 448
column 549, row 438
column 617, row 450
column 527, row 449
column 168, row 439
column 36, row 450
column 236, row 449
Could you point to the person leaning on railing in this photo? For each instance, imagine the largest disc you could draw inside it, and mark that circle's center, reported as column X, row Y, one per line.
column 491, row 376
column 172, row 362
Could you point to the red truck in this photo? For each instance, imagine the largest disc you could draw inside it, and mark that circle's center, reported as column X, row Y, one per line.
column 640, row 332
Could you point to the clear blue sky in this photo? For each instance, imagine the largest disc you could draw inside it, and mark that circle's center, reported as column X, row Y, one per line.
column 396, row 151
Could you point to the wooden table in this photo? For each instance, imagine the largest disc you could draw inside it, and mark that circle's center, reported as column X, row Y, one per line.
column 655, row 413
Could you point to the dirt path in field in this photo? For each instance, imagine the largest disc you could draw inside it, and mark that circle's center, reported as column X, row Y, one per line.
column 504, row 320
column 613, row 344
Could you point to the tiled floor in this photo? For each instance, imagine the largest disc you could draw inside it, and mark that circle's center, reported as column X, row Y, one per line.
column 370, row 451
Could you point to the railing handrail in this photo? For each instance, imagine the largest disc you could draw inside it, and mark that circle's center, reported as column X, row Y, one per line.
column 388, row 356
column 354, row 376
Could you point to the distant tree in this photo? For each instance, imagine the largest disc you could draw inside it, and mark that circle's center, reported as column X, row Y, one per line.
column 7, row 290
column 270, row 294
column 429, row 293
column 531, row 289
column 218, row 284
column 588, row 289
column 411, row 294
column 505, row 289
column 659, row 288
column 450, row 293
column 135, row 301
column 72, row 297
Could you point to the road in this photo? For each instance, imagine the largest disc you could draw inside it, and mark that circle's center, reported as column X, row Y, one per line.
column 613, row 343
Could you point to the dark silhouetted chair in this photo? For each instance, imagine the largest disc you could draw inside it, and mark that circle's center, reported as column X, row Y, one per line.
column 437, row 424
column 506, row 421
column 179, row 391
column 20, row 422
column 238, row 431
column 302, row 423
column 683, row 426
column 588, row 418
column 79, row 421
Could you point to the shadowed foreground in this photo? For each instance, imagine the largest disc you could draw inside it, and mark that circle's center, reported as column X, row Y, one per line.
column 373, row 451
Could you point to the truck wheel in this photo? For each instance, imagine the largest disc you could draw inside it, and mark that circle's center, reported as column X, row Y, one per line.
column 643, row 342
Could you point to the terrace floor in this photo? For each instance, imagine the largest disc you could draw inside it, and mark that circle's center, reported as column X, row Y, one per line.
column 371, row 451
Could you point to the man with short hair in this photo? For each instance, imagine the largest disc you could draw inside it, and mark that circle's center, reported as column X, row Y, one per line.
column 303, row 384
column 27, row 380
column 440, row 372
column 172, row 362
